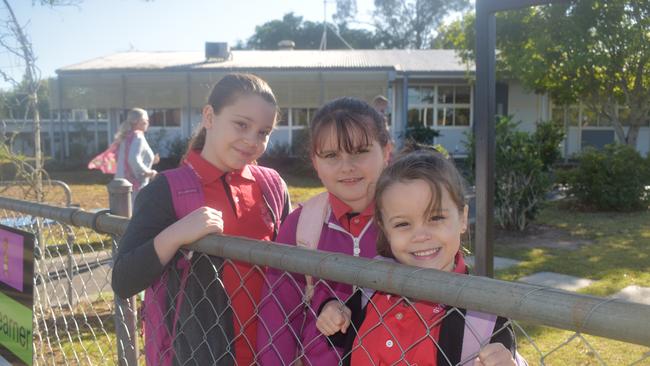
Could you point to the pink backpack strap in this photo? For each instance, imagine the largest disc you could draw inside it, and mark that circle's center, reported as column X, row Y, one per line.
column 477, row 333
column 273, row 191
column 187, row 195
column 310, row 224
column 185, row 188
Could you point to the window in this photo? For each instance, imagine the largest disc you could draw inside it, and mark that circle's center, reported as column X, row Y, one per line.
column 97, row 114
column 440, row 105
column 170, row 117
column 302, row 116
column 64, row 114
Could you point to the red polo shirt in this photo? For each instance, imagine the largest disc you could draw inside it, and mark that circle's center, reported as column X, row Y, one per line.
column 400, row 332
column 355, row 224
column 239, row 198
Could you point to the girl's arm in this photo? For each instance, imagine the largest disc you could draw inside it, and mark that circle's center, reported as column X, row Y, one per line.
column 154, row 236
column 137, row 265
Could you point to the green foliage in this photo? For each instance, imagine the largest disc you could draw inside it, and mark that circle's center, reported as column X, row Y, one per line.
column 591, row 51
column 176, row 148
column 613, row 179
column 307, row 35
column 14, row 102
column 397, row 24
column 421, row 134
column 523, row 170
column 411, row 24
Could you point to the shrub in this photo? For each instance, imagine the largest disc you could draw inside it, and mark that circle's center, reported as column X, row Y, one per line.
column 418, row 133
column 612, row 179
column 285, row 159
column 523, row 170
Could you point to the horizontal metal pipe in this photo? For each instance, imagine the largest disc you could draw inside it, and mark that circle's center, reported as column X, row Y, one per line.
column 610, row 318
column 105, row 223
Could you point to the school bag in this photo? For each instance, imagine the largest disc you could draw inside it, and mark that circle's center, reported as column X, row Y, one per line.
column 187, row 195
column 478, row 326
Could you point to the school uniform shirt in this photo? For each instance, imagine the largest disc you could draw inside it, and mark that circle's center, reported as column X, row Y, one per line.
column 353, row 222
column 392, row 330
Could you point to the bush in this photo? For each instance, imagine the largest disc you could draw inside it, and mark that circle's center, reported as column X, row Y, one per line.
column 613, row 179
column 420, row 134
column 285, row 159
column 523, row 170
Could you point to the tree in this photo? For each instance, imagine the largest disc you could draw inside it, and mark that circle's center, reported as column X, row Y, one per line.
column 15, row 42
column 591, row 51
column 406, row 24
column 306, row 35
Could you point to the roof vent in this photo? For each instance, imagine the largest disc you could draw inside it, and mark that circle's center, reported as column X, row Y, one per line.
column 217, row 51
column 286, row 44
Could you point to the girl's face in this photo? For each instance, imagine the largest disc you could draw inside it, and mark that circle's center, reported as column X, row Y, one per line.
column 239, row 133
column 351, row 177
column 416, row 238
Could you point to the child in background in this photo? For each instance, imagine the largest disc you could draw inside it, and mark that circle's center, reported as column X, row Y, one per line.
column 207, row 316
column 350, row 147
column 421, row 210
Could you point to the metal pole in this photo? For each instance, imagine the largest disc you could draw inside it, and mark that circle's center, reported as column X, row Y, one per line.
column 119, row 191
column 485, row 138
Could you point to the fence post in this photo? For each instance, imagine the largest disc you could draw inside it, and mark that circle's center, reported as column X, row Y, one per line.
column 119, row 193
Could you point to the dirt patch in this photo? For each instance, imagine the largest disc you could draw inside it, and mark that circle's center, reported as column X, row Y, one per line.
column 545, row 236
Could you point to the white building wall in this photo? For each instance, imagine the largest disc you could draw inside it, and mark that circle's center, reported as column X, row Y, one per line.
column 525, row 107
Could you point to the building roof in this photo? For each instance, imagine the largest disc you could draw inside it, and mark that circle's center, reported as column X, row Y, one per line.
column 412, row 61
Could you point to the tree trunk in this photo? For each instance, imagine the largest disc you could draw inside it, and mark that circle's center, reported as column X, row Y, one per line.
column 632, row 135
column 38, row 154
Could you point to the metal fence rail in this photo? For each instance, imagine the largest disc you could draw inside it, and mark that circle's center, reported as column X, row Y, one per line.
column 73, row 323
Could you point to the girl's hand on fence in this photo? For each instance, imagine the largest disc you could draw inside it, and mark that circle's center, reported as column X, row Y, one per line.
column 334, row 317
column 199, row 223
column 495, row 354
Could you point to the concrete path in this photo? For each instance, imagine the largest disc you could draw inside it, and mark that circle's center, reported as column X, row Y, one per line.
column 633, row 293
column 557, row 280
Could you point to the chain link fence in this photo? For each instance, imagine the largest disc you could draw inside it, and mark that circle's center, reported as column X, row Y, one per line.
column 243, row 301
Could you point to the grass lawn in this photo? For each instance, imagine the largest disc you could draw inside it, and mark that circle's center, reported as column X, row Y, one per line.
column 616, row 255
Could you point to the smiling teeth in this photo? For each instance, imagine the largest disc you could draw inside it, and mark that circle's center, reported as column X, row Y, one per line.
column 425, row 253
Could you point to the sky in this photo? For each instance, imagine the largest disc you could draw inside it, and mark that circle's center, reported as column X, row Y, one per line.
column 63, row 36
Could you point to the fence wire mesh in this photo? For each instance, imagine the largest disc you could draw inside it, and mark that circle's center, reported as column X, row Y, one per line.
column 221, row 310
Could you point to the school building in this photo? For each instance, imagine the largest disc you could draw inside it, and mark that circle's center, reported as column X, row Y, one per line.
column 429, row 87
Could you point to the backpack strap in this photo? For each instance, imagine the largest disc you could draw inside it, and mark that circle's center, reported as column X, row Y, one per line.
column 310, row 225
column 478, row 332
column 273, row 191
column 185, row 188
column 187, row 195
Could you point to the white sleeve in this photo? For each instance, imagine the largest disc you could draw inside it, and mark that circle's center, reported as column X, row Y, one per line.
column 136, row 163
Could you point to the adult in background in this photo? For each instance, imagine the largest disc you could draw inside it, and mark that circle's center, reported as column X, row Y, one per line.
column 380, row 103
column 134, row 156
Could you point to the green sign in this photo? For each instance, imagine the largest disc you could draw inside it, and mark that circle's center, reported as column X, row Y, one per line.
column 16, row 295
column 16, row 328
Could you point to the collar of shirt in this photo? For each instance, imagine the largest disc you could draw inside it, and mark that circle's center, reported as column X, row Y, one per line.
column 425, row 307
column 341, row 209
column 209, row 173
